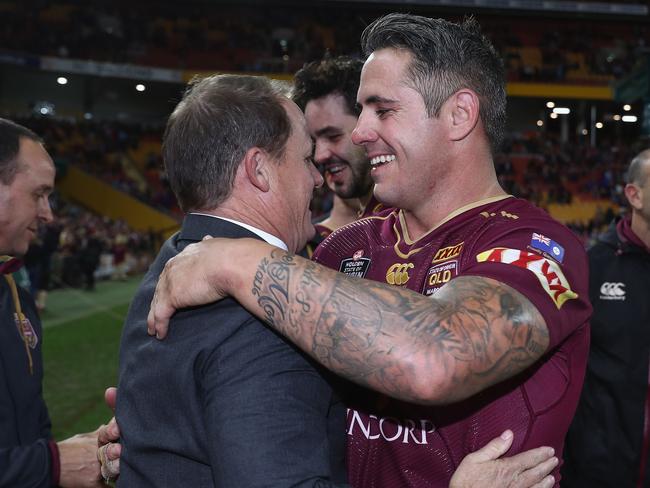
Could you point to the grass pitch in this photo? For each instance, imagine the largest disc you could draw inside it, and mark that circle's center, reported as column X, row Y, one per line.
column 80, row 352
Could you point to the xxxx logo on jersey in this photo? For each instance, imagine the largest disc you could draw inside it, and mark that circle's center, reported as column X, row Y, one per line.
column 447, row 253
column 398, row 273
column 547, row 272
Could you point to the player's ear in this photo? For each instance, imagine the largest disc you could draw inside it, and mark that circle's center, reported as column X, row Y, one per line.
column 634, row 195
column 257, row 165
column 463, row 109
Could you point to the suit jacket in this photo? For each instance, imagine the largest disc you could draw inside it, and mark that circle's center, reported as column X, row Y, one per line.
column 223, row 400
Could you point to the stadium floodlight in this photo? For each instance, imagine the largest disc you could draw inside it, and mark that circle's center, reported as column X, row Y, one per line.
column 562, row 110
column 627, row 107
column 599, row 125
column 553, row 115
column 617, row 117
column 629, row 118
column 62, row 80
column 140, row 87
column 540, row 123
column 550, row 104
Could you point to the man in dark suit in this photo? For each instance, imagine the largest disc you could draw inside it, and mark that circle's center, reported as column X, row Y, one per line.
column 233, row 405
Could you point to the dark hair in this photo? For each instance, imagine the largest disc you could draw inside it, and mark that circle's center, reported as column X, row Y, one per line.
column 446, row 58
column 634, row 173
column 10, row 134
column 219, row 119
column 318, row 79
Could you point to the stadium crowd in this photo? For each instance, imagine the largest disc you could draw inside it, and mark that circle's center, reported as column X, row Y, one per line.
column 80, row 247
column 236, row 37
column 533, row 165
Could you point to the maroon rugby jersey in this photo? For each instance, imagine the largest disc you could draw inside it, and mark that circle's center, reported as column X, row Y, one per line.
column 322, row 231
column 393, row 443
column 373, row 207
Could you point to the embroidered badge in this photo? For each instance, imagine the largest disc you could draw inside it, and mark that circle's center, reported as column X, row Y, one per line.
column 357, row 265
column 438, row 275
column 26, row 330
column 447, row 253
column 398, row 273
column 548, row 246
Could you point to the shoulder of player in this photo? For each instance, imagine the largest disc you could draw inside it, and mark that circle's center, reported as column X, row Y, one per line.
column 365, row 225
column 524, row 216
column 358, row 235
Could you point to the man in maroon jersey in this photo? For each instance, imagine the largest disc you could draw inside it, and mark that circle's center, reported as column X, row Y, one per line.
column 501, row 340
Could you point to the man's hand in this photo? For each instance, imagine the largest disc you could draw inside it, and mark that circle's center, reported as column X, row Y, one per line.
column 109, row 450
column 483, row 468
column 79, row 464
column 185, row 282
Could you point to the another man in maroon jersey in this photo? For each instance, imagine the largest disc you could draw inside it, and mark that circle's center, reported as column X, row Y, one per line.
column 502, row 339
column 326, row 91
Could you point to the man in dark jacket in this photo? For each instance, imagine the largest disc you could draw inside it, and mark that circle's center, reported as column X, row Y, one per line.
column 29, row 457
column 234, row 405
column 607, row 444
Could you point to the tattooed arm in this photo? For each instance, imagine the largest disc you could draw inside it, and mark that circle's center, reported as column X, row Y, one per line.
column 473, row 333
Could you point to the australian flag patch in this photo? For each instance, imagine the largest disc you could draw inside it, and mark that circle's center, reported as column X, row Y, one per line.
column 547, row 246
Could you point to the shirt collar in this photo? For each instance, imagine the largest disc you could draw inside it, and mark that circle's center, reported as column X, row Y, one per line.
column 9, row 264
column 270, row 238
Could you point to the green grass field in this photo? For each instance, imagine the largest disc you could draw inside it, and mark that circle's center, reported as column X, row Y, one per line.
column 80, row 349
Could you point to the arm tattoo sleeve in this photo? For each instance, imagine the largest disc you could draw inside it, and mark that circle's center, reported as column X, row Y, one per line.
column 473, row 333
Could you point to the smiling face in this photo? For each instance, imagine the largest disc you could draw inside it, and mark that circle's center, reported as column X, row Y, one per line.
column 407, row 149
column 295, row 180
column 24, row 202
column 345, row 166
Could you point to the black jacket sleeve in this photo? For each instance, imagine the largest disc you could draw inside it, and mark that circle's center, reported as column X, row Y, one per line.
column 26, row 466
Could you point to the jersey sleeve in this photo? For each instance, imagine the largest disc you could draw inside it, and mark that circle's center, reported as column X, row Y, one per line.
column 543, row 261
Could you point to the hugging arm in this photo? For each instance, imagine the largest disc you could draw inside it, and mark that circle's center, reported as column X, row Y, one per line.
column 473, row 333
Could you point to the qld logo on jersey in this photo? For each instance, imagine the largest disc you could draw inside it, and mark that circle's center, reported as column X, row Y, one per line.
column 357, row 265
column 547, row 246
column 547, row 272
column 438, row 275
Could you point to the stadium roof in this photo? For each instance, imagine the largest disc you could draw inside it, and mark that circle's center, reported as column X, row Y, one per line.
column 611, row 8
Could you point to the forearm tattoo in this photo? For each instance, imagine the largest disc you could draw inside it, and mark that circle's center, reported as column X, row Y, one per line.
column 473, row 333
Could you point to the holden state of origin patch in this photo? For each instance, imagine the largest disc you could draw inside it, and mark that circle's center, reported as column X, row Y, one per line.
column 357, row 265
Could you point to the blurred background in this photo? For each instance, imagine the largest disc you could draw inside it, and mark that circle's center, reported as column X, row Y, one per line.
column 97, row 80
